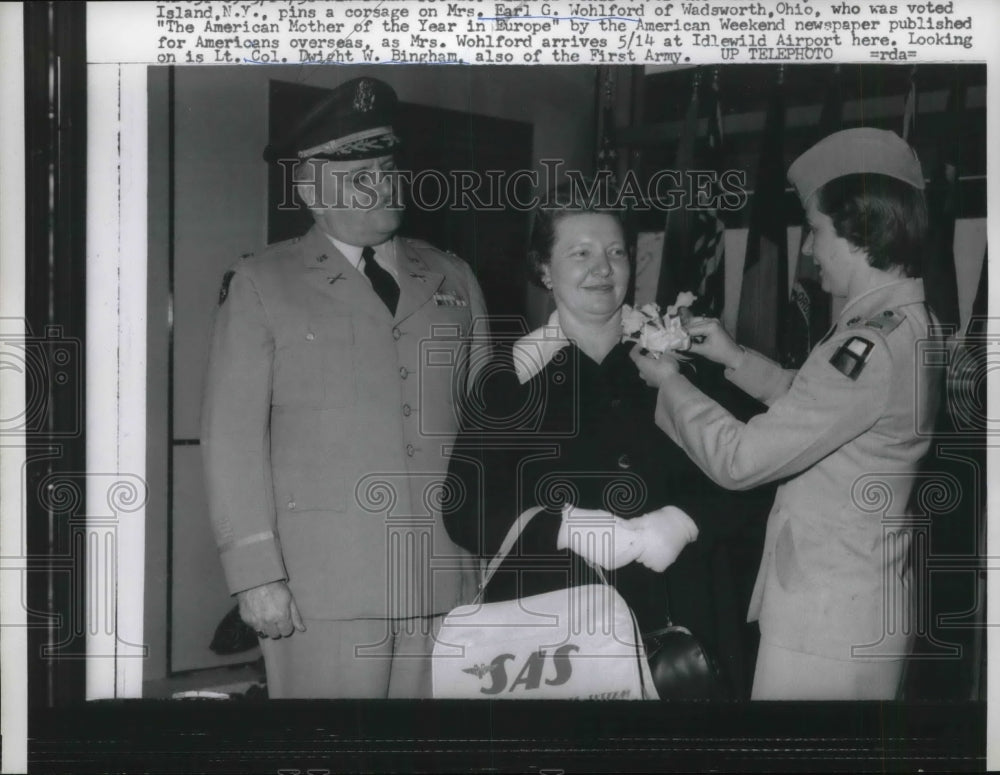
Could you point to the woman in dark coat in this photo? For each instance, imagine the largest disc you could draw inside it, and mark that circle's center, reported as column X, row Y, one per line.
column 562, row 417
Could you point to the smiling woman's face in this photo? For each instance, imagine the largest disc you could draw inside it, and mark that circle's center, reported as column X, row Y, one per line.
column 589, row 268
column 836, row 258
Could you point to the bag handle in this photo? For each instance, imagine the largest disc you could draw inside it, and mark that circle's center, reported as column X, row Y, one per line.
column 508, row 543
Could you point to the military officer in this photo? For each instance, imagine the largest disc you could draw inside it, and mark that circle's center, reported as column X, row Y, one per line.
column 843, row 434
column 337, row 362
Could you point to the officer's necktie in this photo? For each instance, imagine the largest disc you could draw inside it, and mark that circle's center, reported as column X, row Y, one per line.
column 383, row 283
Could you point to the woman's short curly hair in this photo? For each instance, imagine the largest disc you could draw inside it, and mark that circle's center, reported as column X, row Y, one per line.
column 884, row 216
column 571, row 198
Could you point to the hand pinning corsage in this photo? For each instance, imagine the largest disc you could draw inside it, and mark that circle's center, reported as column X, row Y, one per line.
column 655, row 331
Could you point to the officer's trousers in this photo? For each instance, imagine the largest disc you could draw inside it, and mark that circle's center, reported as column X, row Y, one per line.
column 354, row 658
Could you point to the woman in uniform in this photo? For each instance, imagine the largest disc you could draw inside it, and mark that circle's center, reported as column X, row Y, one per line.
column 843, row 435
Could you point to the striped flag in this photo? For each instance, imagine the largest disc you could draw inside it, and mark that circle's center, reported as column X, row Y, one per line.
column 808, row 314
column 694, row 238
column 764, row 295
column 679, row 228
column 709, row 255
column 940, row 283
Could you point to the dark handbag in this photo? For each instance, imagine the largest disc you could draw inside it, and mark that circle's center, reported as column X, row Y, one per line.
column 681, row 668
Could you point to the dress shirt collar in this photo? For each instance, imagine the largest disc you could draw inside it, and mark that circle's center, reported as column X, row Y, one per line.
column 385, row 254
column 533, row 351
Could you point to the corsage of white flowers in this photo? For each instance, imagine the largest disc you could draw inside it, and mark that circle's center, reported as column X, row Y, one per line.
column 657, row 332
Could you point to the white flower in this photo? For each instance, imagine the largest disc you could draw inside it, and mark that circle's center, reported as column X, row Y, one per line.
column 632, row 320
column 670, row 337
column 656, row 340
column 685, row 299
column 654, row 332
column 651, row 311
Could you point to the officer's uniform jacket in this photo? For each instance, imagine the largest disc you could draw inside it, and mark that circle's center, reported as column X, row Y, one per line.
column 325, row 426
column 845, row 434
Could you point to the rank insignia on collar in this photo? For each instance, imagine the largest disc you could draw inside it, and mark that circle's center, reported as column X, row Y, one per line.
column 887, row 321
column 448, row 299
column 851, row 356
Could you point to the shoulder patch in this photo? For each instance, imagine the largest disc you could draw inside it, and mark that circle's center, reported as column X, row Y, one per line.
column 224, row 290
column 887, row 321
column 852, row 355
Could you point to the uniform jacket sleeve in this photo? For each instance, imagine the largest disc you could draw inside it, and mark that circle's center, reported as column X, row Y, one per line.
column 761, row 377
column 235, row 438
column 821, row 411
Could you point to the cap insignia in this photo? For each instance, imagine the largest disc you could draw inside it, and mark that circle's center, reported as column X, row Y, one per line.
column 364, row 97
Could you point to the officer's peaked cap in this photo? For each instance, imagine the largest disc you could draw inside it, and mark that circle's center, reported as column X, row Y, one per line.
column 354, row 121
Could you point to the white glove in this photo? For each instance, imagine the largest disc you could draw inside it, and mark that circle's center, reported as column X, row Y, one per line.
column 599, row 537
column 662, row 535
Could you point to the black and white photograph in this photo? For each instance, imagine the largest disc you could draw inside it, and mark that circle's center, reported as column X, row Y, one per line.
column 499, row 418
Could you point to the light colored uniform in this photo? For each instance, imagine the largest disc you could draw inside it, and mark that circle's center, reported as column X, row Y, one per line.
column 845, row 433
column 324, row 427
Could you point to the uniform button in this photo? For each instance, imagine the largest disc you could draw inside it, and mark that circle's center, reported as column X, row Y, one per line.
column 616, row 403
column 403, row 371
column 624, row 462
column 406, row 410
column 396, row 333
column 310, row 336
column 410, row 450
column 291, row 505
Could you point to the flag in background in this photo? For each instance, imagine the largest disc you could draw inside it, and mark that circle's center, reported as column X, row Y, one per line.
column 940, row 282
column 808, row 314
column 678, row 233
column 607, row 153
column 694, row 237
column 709, row 255
column 764, row 295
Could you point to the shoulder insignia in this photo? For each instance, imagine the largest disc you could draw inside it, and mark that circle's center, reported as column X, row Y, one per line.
column 852, row 355
column 887, row 321
column 224, row 290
